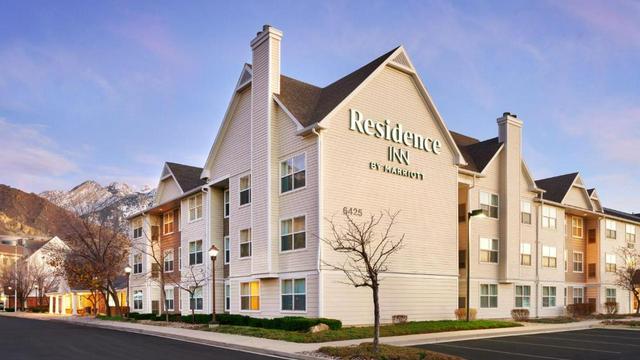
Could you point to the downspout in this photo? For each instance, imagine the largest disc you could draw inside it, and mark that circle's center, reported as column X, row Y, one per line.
column 205, row 191
column 468, row 251
column 320, row 217
column 537, row 282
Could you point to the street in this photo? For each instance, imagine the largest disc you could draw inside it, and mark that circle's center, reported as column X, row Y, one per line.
column 22, row 339
column 589, row 344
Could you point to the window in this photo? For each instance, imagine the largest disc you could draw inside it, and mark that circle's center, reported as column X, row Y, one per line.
column 293, row 173
column 630, row 233
column 180, row 258
column 489, row 250
column 226, row 203
column 167, row 222
column 195, row 207
column 566, row 260
column 245, row 190
column 591, row 270
column 168, row 299
column 245, row 243
column 195, row 252
column 549, row 217
column 294, row 295
column 565, row 296
column 611, row 229
column 578, row 295
column 137, row 228
column 137, row 300
column 525, row 212
column 488, row 295
column 578, row 260
column 168, row 260
column 610, row 262
column 462, row 259
column 137, row 263
column 227, row 296
column 226, row 243
column 591, row 234
column 292, row 234
column 577, row 227
column 549, row 257
column 489, row 204
column 195, row 303
column 523, row 296
column 525, row 254
column 610, row 295
column 548, row 296
column 250, row 295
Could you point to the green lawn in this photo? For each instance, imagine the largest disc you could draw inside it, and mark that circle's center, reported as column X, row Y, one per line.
column 348, row 333
column 386, row 352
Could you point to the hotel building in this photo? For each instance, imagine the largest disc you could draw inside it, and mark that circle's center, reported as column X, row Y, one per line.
column 289, row 155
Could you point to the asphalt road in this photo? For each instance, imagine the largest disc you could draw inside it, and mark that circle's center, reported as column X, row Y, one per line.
column 22, row 339
column 584, row 345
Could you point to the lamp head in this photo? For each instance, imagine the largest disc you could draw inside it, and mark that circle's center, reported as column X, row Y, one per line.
column 213, row 252
column 477, row 213
column 127, row 270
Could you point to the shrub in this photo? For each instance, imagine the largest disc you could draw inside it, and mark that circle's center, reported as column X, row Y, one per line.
column 582, row 309
column 461, row 314
column 611, row 307
column 520, row 314
column 196, row 319
column 9, row 309
column 39, row 309
column 399, row 319
column 290, row 323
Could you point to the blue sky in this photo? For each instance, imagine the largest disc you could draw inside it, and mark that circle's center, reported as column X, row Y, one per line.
column 109, row 90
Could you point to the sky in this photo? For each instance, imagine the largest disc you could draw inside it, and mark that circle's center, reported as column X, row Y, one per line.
column 109, row 90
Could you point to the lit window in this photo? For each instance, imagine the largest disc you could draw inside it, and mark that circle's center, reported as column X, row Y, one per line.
column 167, row 222
column 577, row 227
column 195, row 252
column 293, row 173
column 548, row 296
column 630, row 233
column 168, row 260
column 549, row 256
column 137, row 299
column 250, row 295
column 227, row 249
column 245, row 190
column 610, row 262
column 566, row 260
column 578, row 295
column 523, row 296
column 611, row 229
column 294, row 295
column 578, row 260
column 292, row 234
column 488, row 295
column 168, row 299
column 525, row 212
column 525, row 254
column 489, row 250
column 245, row 243
column 226, row 203
column 195, row 303
column 137, row 263
column 611, row 295
column 137, row 228
column 489, row 204
column 549, row 217
column 195, row 207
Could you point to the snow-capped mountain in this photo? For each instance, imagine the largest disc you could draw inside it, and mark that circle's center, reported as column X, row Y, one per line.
column 115, row 199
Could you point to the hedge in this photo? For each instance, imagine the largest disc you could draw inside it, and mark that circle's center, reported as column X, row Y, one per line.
column 290, row 323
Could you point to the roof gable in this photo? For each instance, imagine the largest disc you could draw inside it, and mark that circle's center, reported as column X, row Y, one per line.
column 478, row 154
column 556, row 187
column 187, row 177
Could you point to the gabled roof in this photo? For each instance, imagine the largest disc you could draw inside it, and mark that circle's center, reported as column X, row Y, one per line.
column 557, row 187
column 477, row 153
column 621, row 214
column 310, row 104
column 590, row 191
column 187, row 177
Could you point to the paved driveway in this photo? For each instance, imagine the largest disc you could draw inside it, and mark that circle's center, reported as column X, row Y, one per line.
column 584, row 345
column 52, row 340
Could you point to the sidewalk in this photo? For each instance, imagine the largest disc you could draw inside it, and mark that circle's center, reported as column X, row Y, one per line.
column 293, row 350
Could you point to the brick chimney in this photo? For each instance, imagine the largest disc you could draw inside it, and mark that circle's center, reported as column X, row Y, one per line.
column 510, row 134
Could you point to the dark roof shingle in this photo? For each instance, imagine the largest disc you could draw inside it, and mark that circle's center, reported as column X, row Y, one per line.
column 556, row 187
column 477, row 153
column 188, row 177
column 621, row 214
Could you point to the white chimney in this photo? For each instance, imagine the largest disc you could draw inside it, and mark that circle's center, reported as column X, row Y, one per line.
column 266, row 57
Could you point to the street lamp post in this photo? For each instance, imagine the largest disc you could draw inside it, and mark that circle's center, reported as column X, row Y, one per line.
column 14, row 299
column 127, row 270
column 470, row 215
column 213, row 253
column 37, row 295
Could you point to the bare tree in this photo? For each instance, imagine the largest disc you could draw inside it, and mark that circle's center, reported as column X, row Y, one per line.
column 19, row 278
column 367, row 246
column 194, row 278
column 45, row 278
column 628, row 275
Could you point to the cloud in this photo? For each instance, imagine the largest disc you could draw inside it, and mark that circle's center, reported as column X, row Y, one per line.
column 30, row 158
